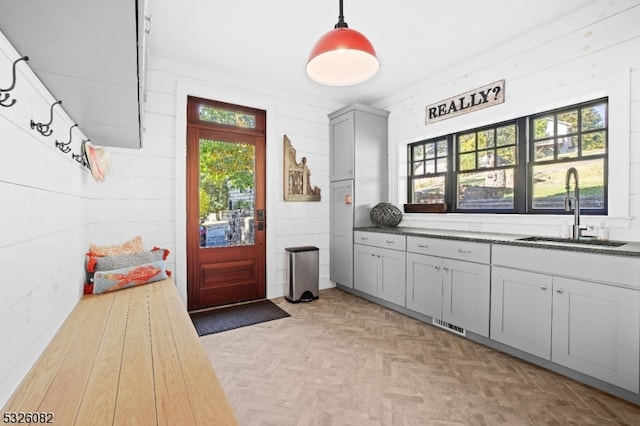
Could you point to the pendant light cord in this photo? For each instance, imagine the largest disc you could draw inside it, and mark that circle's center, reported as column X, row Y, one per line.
column 341, row 23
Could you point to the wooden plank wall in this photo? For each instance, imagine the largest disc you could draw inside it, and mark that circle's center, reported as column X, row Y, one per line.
column 588, row 54
column 43, row 222
column 303, row 120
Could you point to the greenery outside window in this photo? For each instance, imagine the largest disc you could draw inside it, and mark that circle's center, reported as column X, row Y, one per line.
column 486, row 162
column 517, row 166
column 429, row 166
column 570, row 137
column 225, row 116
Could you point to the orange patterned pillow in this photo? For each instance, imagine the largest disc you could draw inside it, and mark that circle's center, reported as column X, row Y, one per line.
column 132, row 246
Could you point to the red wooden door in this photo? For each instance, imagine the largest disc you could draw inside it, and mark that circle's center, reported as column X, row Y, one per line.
column 226, row 246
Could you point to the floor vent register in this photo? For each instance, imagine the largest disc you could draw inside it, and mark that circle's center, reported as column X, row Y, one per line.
column 449, row 327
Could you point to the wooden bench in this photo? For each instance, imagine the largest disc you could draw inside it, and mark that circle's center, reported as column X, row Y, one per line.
column 127, row 357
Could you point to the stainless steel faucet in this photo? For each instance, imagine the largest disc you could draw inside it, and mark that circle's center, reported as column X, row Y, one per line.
column 576, row 228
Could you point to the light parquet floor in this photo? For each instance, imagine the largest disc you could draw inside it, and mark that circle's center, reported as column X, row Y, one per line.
column 341, row 360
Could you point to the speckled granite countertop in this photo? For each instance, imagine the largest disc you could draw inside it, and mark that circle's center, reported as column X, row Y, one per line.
column 629, row 249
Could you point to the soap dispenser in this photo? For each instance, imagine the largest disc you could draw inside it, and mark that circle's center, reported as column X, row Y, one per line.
column 602, row 233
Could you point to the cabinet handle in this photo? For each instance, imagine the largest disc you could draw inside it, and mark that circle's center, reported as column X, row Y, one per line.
column 445, row 269
column 424, row 246
column 559, row 291
column 363, row 238
column 390, row 242
column 437, row 268
column 543, row 287
column 465, row 252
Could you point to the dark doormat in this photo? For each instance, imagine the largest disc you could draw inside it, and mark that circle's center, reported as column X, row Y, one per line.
column 237, row 316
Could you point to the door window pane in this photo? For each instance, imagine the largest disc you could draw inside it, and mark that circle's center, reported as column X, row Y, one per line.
column 225, row 116
column 227, row 182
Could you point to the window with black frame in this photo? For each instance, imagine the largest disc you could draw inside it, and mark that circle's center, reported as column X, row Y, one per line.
column 486, row 169
column 569, row 137
column 429, row 165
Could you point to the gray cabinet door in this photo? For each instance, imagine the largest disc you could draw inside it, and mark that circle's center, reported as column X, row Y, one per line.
column 366, row 268
column 380, row 272
column 424, row 284
column 342, row 149
column 521, row 310
column 341, row 254
column 392, row 276
column 466, row 293
column 596, row 330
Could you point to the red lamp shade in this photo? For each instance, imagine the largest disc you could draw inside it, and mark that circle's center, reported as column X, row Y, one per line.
column 342, row 57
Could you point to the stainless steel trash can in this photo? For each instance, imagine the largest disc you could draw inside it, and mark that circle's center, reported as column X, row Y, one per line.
column 302, row 274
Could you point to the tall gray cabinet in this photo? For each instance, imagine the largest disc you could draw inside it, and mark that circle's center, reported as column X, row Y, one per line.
column 359, row 179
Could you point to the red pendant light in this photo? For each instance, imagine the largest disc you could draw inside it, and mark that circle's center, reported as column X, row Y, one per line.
column 342, row 57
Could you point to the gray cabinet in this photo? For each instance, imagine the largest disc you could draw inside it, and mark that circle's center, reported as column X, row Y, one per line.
column 358, row 175
column 587, row 326
column 341, row 237
column 379, row 266
column 424, row 284
column 465, row 298
column 447, row 288
column 521, row 310
column 596, row 329
column 358, row 147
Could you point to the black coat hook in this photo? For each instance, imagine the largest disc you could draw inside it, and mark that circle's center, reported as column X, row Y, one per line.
column 82, row 157
column 4, row 97
column 44, row 129
column 64, row 146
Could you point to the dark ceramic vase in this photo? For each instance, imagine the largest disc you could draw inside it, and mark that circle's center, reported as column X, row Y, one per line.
column 385, row 214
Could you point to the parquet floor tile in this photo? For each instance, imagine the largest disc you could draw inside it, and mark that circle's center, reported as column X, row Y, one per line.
column 341, row 360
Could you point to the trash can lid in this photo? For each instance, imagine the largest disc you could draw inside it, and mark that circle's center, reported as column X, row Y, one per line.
column 304, row 248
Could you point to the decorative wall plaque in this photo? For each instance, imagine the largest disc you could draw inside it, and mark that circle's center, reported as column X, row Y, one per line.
column 473, row 100
column 297, row 182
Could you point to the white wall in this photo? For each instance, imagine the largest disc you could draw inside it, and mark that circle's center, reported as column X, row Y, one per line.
column 592, row 53
column 43, row 223
column 52, row 209
column 304, row 121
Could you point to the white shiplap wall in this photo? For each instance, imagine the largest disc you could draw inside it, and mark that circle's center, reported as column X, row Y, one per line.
column 43, row 223
column 591, row 53
column 304, row 121
column 52, row 209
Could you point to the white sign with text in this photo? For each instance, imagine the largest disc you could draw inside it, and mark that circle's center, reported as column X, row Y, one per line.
column 473, row 100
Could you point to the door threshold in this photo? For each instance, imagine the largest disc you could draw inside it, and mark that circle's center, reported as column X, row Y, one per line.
column 213, row 308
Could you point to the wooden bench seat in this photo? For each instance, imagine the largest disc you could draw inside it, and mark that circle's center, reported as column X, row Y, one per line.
column 127, row 357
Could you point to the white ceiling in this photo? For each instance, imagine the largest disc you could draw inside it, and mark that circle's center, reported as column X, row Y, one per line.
column 269, row 41
column 86, row 51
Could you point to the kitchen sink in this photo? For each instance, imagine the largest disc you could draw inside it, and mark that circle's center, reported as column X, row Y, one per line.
column 588, row 241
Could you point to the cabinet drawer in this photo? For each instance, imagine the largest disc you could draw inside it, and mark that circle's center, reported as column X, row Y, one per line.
column 453, row 249
column 618, row 270
column 378, row 239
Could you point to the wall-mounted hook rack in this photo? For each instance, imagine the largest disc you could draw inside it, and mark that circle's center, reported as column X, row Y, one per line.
column 82, row 157
column 4, row 93
column 44, row 129
column 64, row 146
